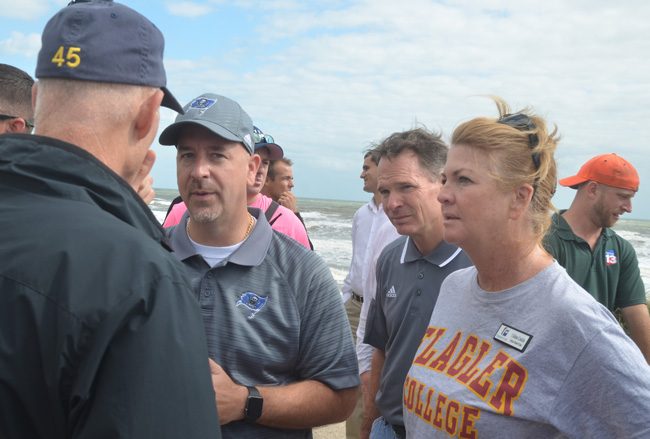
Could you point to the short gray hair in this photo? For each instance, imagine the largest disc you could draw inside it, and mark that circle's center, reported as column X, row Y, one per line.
column 428, row 147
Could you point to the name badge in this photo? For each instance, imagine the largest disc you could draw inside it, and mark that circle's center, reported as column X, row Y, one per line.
column 513, row 337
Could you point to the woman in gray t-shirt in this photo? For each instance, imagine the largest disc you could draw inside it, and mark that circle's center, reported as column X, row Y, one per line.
column 514, row 347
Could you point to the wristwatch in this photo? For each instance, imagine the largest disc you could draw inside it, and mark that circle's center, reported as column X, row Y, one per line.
column 254, row 404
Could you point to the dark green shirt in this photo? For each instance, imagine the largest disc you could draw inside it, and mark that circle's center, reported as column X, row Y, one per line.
column 610, row 273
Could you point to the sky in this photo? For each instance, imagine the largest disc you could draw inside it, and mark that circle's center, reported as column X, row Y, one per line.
column 329, row 78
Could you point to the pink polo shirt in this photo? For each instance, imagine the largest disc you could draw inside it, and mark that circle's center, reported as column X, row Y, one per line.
column 283, row 220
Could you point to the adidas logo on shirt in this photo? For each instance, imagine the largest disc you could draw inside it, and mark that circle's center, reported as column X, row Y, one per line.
column 391, row 292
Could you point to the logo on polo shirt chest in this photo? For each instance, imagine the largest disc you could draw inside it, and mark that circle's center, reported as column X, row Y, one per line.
column 610, row 257
column 391, row 293
column 252, row 302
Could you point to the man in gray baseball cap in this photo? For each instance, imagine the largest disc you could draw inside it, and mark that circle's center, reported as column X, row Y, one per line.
column 278, row 338
column 101, row 336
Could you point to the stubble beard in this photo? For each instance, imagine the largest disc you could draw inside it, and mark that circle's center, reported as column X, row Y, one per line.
column 603, row 217
column 204, row 215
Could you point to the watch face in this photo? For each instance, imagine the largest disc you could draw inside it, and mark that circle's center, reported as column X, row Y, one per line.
column 254, row 405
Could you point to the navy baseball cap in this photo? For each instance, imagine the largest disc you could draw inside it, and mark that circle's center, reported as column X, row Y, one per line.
column 266, row 141
column 219, row 114
column 104, row 41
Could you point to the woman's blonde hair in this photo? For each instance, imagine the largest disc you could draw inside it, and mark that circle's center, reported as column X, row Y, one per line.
column 520, row 150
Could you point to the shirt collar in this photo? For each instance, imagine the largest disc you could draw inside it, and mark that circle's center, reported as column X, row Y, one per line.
column 251, row 253
column 375, row 208
column 565, row 232
column 442, row 255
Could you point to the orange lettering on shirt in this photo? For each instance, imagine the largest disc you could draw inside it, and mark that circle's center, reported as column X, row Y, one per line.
column 464, row 356
column 418, row 405
column 428, row 411
column 409, row 394
column 449, row 415
column 468, row 427
column 441, row 362
column 510, row 387
column 472, row 370
column 451, row 422
column 481, row 384
column 434, row 334
column 437, row 418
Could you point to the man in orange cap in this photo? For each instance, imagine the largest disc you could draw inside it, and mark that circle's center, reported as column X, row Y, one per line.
column 598, row 259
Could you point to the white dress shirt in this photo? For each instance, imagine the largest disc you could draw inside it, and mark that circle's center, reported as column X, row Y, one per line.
column 366, row 222
column 383, row 236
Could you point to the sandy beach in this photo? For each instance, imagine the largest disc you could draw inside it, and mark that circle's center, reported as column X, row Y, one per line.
column 333, row 431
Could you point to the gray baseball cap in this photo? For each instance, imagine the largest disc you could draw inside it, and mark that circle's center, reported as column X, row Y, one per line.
column 104, row 41
column 223, row 116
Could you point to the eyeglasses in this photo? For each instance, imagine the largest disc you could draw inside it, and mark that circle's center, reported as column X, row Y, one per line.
column 523, row 122
column 28, row 124
column 260, row 137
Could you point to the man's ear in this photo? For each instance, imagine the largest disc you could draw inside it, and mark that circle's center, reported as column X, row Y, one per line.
column 592, row 188
column 148, row 117
column 253, row 165
column 17, row 125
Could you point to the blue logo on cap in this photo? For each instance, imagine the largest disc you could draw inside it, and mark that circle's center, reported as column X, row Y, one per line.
column 252, row 301
column 202, row 103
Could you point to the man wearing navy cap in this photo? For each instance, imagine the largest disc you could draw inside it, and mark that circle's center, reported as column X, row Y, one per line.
column 100, row 335
column 283, row 356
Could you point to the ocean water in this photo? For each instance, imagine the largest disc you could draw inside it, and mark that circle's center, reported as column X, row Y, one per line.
column 329, row 223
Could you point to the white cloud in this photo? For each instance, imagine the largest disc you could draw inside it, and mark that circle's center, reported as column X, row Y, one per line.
column 353, row 73
column 18, row 43
column 29, row 10
column 327, row 77
column 188, row 9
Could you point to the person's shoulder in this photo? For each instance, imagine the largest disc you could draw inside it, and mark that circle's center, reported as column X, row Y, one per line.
column 116, row 238
column 567, row 301
column 559, row 233
column 171, row 231
column 285, row 245
column 288, row 255
column 623, row 244
column 386, row 232
column 295, row 263
column 362, row 209
column 464, row 276
column 393, row 250
column 613, row 235
column 285, row 214
column 261, row 201
column 396, row 245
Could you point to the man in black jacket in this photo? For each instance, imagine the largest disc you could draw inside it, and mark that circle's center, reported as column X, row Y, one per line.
column 99, row 333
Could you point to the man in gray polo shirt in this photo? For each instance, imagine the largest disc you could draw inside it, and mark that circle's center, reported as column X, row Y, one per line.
column 281, row 351
column 409, row 270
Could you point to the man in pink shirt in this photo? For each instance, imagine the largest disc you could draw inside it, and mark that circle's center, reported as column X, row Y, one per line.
column 279, row 217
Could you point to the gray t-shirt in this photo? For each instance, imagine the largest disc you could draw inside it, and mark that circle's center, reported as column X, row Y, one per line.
column 564, row 367
column 407, row 289
column 273, row 315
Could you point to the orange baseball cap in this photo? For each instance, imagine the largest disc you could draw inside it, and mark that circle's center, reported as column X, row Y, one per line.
column 608, row 169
